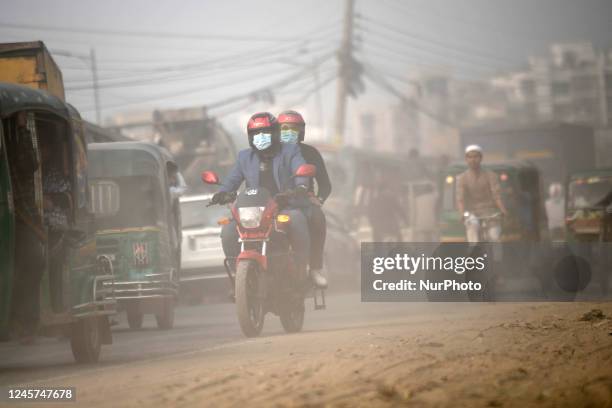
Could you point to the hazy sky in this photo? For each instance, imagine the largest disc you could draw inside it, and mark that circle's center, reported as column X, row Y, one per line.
column 397, row 38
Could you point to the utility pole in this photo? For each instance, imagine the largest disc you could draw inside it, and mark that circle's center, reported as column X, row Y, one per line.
column 94, row 75
column 345, row 57
column 91, row 61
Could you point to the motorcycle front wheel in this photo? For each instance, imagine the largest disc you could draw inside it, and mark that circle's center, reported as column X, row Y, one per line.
column 249, row 306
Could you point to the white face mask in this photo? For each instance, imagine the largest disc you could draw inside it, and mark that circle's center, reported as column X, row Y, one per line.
column 262, row 141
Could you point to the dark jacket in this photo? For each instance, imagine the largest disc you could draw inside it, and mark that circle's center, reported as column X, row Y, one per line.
column 284, row 164
column 312, row 156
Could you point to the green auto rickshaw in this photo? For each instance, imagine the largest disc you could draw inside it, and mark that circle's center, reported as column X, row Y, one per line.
column 520, row 184
column 588, row 210
column 51, row 280
column 588, row 200
column 134, row 194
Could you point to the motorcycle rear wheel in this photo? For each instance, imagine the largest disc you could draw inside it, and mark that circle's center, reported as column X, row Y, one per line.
column 249, row 306
column 292, row 318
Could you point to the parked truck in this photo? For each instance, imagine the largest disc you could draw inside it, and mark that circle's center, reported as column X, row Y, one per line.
column 557, row 149
column 31, row 64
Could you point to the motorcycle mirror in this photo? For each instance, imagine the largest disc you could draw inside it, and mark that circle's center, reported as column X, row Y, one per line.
column 210, row 177
column 306, row 170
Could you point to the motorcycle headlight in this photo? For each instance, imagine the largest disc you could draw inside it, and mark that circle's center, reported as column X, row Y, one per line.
column 250, row 217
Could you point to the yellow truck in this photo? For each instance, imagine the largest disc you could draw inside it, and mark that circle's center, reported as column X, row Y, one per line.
column 31, row 64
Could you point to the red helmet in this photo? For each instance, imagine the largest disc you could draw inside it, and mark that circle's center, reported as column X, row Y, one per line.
column 294, row 118
column 263, row 122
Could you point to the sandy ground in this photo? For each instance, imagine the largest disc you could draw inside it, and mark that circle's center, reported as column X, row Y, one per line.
column 479, row 355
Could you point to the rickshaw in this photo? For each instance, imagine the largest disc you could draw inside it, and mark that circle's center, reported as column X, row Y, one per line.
column 138, row 226
column 521, row 192
column 589, row 218
column 589, row 196
column 52, row 283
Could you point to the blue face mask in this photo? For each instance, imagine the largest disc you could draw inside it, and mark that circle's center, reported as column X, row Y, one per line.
column 289, row 136
column 262, row 141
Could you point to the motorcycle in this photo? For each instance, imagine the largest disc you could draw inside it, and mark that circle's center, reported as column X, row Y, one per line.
column 266, row 277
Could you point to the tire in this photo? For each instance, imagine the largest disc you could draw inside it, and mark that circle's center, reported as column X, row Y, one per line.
column 248, row 306
column 134, row 317
column 85, row 340
column 165, row 318
column 292, row 318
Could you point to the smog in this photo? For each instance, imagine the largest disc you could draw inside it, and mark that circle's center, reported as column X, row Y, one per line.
column 306, row 203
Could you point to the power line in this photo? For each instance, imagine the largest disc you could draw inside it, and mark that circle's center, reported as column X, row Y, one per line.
column 308, row 41
column 239, row 108
column 396, row 57
column 176, row 76
column 279, row 84
column 459, row 57
column 454, row 48
column 128, row 81
column 301, row 83
column 216, row 85
column 480, row 25
column 380, row 80
column 210, row 69
column 402, row 53
column 113, row 43
column 320, row 34
column 146, row 34
column 230, row 60
column 272, row 86
column 311, row 91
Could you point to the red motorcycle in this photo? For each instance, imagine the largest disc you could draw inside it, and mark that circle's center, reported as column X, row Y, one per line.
column 266, row 277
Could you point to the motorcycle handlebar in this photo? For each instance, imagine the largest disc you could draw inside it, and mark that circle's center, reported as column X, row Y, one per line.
column 485, row 217
column 231, row 197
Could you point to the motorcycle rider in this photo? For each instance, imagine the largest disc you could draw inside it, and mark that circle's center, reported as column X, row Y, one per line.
column 270, row 165
column 292, row 131
column 478, row 193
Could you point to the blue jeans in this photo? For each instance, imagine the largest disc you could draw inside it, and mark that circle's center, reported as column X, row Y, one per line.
column 298, row 234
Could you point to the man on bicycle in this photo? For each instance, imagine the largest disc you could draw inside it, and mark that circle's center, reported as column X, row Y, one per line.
column 478, row 196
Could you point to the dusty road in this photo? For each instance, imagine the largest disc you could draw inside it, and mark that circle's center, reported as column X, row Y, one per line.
column 353, row 354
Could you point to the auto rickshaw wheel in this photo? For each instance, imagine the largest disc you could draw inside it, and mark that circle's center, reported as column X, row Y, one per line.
column 134, row 317
column 85, row 340
column 165, row 318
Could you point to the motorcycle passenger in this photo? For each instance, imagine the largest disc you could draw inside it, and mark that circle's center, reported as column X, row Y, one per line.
column 292, row 130
column 479, row 193
column 270, row 165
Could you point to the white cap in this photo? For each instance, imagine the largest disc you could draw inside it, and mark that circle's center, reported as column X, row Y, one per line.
column 473, row 148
